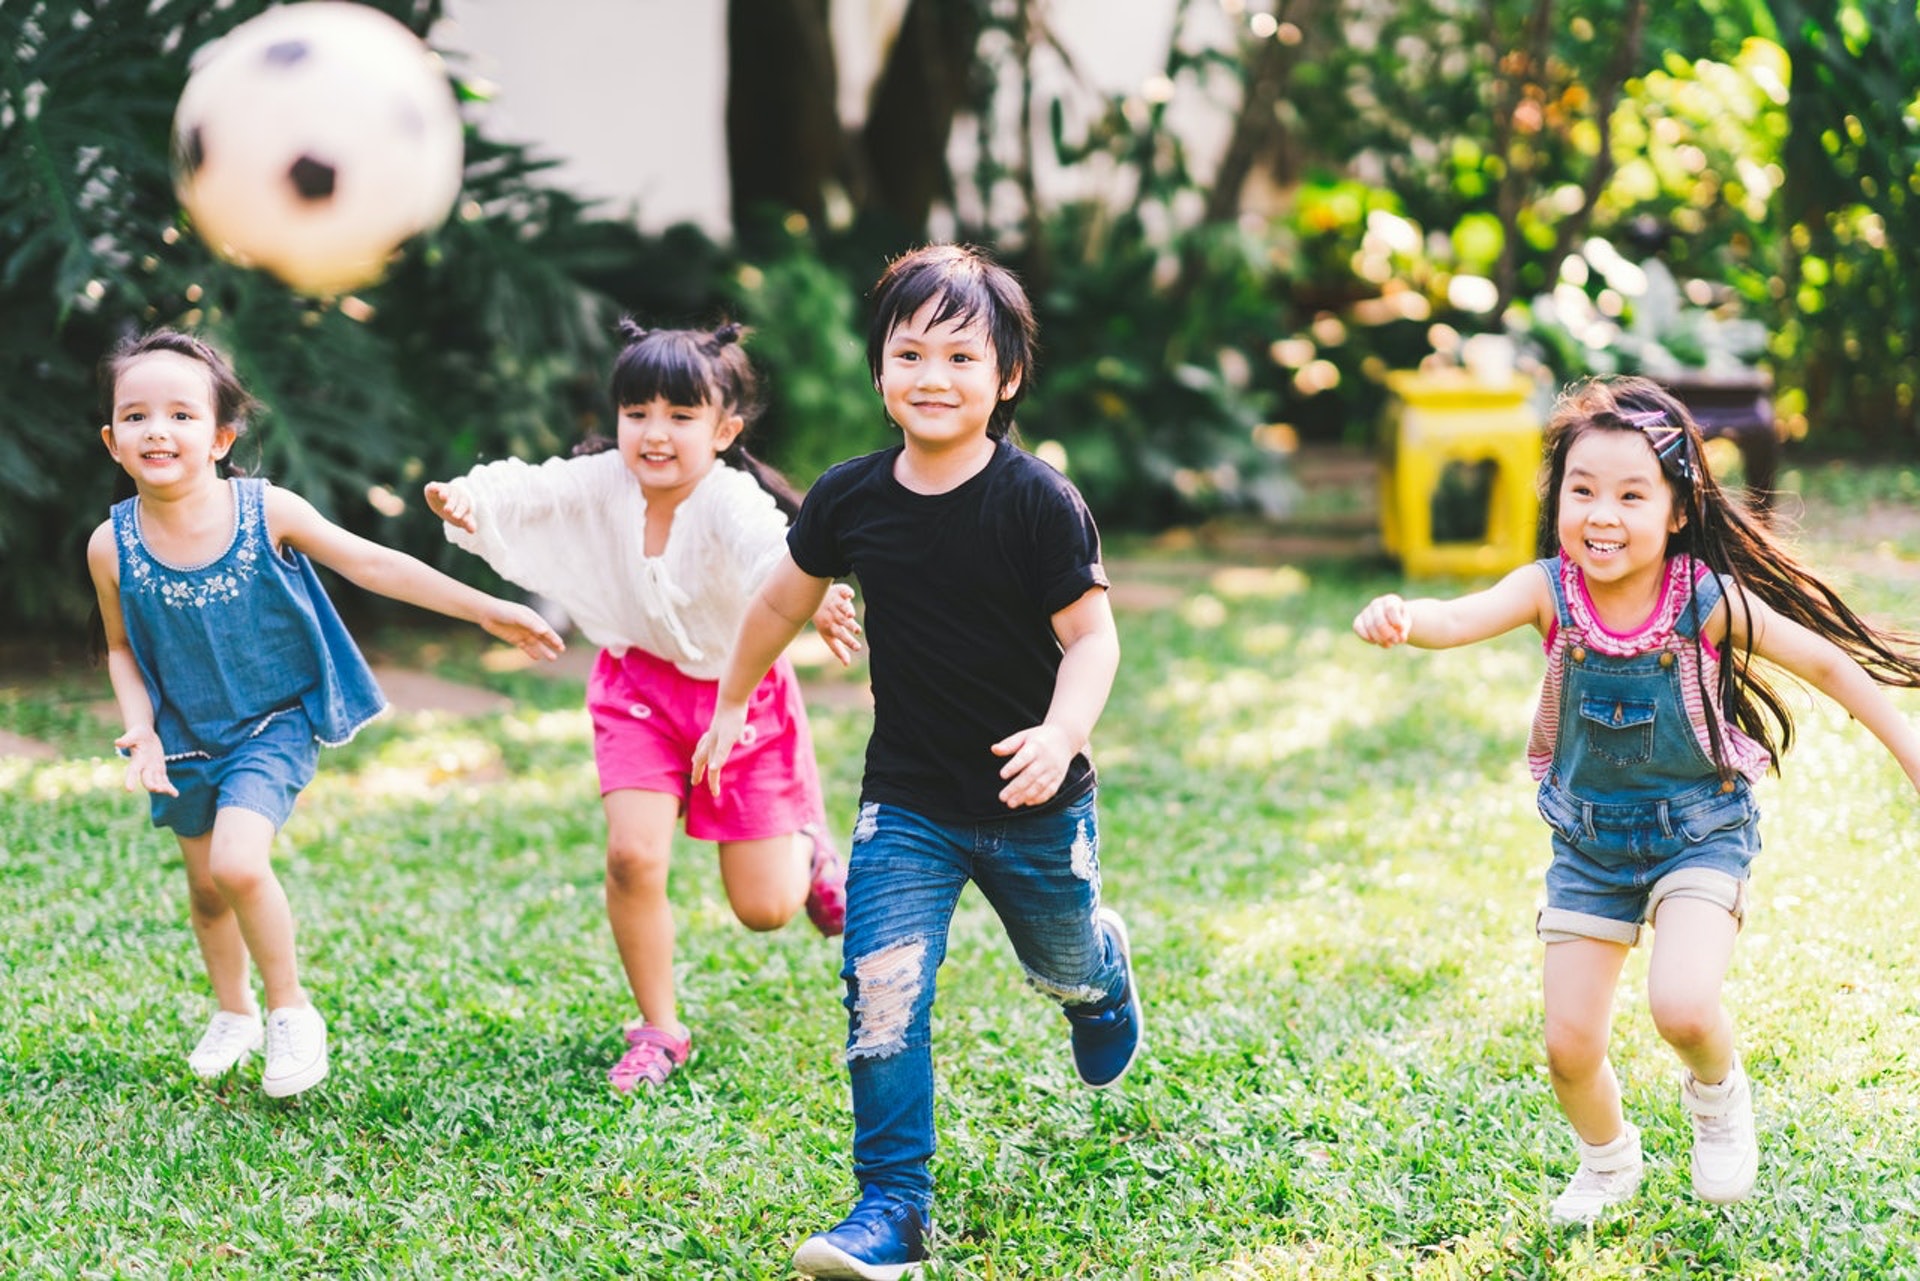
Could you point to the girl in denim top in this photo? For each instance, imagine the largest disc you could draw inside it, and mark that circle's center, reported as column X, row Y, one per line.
column 1652, row 727
column 231, row 669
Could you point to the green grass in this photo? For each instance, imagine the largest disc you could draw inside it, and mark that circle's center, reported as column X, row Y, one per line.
column 1329, row 860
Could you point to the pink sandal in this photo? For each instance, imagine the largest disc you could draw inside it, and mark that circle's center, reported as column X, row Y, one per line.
column 827, row 884
column 652, row 1056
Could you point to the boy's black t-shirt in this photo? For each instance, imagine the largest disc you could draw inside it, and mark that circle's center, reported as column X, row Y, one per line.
column 960, row 590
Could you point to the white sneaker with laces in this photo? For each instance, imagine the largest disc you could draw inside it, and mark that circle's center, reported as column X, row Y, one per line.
column 1726, row 1155
column 1608, row 1175
column 225, row 1044
column 296, row 1050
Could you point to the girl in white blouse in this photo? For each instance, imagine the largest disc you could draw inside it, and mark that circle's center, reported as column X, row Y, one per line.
column 654, row 547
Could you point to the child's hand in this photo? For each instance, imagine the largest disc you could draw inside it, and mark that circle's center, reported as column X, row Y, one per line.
column 451, row 504
column 1040, row 758
column 519, row 625
column 146, row 762
column 835, row 622
column 1386, row 622
column 729, row 723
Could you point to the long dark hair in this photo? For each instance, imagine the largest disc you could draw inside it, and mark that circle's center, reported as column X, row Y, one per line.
column 1721, row 534
column 695, row 367
column 233, row 404
column 966, row 284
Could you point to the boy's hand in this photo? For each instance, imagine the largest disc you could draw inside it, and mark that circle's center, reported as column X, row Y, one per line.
column 1039, row 761
column 837, row 625
column 146, row 762
column 1386, row 622
column 520, row 625
column 710, row 755
column 451, row 504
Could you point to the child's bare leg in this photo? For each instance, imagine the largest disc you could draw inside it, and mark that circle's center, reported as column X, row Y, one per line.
column 1580, row 977
column 766, row 880
column 240, row 862
column 1692, row 947
column 639, row 844
column 222, row 949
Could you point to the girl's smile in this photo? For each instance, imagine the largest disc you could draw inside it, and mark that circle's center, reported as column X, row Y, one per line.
column 164, row 429
column 670, row 448
column 1616, row 511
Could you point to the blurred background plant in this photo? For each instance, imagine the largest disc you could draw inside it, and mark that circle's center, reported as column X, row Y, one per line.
column 1616, row 186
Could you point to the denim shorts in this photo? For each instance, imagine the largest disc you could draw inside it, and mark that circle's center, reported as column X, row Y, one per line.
column 265, row 774
column 1614, row 863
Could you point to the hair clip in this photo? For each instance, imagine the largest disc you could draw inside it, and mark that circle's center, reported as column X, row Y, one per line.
column 728, row 333
column 1669, row 442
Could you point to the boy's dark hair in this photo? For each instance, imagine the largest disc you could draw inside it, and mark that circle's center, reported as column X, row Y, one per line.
column 695, row 367
column 232, row 402
column 1720, row 533
column 965, row 284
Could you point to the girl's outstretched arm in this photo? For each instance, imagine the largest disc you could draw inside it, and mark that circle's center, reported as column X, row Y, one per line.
column 787, row 598
column 293, row 521
column 146, row 757
column 1523, row 596
column 1038, row 757
column 1828, row 668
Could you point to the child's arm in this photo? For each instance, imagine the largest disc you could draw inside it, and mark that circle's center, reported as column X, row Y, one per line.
column 1828, row 668
column 1523, row 596
column 146, row 758
column 787, row 598
column 1040, row 756
column 293, row 521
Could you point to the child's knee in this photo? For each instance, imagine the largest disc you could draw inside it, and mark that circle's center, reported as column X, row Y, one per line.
column 637, row 864
column 1686, row 1019
column 1574, row 1051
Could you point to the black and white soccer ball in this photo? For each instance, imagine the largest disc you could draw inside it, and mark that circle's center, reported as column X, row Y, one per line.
column 314, row 139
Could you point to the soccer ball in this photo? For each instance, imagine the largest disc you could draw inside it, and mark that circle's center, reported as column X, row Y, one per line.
column 312, row 140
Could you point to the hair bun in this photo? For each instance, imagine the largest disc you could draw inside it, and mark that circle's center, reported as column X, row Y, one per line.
column 631, row 330
column 731, row 332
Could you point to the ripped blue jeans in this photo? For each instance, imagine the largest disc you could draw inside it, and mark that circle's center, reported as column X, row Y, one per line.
column 1040, row 873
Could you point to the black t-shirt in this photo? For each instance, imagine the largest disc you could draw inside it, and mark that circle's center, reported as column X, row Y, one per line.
column 960, row 591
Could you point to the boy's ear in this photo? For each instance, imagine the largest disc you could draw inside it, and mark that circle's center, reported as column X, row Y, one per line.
column 1012, row 386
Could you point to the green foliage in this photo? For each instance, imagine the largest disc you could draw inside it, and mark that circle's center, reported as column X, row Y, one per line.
column 491, row 336
column 1328, row 859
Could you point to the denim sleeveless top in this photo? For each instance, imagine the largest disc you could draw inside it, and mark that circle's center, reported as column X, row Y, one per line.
column 227, row 646
column 1628, row 720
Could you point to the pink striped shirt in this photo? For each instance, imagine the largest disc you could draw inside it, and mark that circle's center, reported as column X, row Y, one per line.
column 1699, row 665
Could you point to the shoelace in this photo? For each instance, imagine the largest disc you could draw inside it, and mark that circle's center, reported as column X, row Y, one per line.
column 288, row 1036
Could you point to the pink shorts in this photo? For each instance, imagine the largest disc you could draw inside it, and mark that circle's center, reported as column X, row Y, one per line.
column 648, row 716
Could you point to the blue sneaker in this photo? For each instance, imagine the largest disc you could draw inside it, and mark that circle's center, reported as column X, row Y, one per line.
column 880, row 1240
column 1106, row 1039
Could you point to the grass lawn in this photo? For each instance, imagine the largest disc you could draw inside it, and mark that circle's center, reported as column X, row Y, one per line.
column 1329, row 860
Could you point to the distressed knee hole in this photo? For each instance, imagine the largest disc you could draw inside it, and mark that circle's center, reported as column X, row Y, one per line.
column 888, row 987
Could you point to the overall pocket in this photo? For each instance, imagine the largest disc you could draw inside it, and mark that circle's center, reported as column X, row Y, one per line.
column 1618, row 730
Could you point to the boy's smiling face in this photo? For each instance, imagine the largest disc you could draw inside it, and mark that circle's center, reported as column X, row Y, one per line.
column 941, row 381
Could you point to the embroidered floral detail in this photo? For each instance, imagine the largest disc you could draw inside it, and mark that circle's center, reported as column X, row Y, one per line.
column 218, row 582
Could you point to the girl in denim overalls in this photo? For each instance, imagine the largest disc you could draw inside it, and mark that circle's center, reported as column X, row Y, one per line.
column 1652, row 729
column 231, row 669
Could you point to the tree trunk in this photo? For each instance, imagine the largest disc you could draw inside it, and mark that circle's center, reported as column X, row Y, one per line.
column 903, row 148
column 784, row 142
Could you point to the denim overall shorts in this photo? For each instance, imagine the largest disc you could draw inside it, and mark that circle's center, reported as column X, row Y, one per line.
column 1637, row 810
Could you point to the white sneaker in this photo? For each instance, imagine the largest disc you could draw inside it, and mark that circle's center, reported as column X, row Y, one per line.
column 1726, row 1156
column 1608, row 1175
column 296, row 1050
column 225, row 1044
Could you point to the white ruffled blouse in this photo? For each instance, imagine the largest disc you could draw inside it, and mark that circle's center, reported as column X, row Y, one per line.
column 574, row 531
